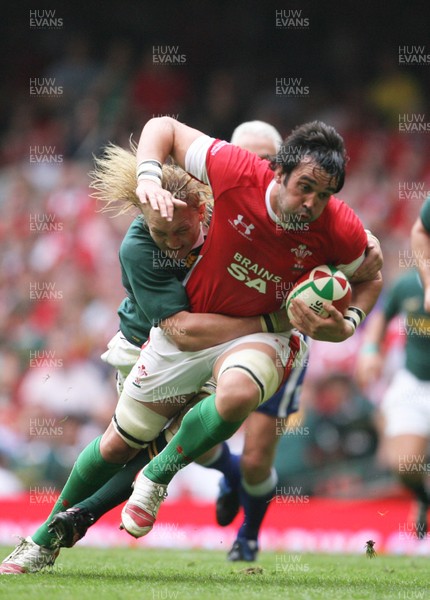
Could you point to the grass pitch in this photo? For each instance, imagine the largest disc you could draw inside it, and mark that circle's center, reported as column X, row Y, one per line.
column 153, row 574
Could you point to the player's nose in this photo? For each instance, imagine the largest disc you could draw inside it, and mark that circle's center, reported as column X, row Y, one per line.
column 173, row 243
column 309, row 201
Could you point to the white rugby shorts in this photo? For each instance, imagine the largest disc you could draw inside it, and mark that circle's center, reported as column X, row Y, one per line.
column 406, row 406
column 122, row 355
column 163, row 371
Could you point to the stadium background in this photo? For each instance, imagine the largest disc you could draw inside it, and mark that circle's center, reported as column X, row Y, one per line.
column 74, row 79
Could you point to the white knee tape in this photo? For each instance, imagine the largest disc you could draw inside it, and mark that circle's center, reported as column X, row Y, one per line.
column 135, row 423
column 258, row 366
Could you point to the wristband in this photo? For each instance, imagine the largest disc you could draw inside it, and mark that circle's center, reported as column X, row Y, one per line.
column 351, row 321
column 275, row 322
column 150, row 177
column 149, row 169
column 355, row 313
column 270, row 323
column 266, row 324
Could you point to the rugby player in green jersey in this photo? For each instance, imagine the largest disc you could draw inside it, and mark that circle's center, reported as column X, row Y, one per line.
column 155, row 255
column 405, row 406
column 420, row 242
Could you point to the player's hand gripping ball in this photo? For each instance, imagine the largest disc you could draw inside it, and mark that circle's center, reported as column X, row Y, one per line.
column 323, row 284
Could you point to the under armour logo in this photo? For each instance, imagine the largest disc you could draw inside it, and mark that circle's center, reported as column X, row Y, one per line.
column 239, row 221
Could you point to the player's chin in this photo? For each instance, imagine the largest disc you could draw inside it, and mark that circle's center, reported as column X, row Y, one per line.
column 177, row 253
column 306, row 218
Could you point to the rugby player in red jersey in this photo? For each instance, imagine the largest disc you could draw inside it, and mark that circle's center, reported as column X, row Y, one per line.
column 115, row 446
column 282, row 220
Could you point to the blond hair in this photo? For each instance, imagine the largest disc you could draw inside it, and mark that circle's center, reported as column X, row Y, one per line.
column 114, row 181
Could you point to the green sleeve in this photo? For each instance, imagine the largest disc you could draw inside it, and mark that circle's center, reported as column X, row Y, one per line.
column 397, row 293
column 153, row 292
column 425, row 214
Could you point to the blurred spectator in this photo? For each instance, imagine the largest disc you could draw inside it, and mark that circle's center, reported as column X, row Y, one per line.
column 59, row 290
column 160, row 88
column 394, row 91
column 329, row 447
column 74, row 72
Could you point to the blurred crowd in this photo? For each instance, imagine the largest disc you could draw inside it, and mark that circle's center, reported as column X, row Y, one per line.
column 60, row 281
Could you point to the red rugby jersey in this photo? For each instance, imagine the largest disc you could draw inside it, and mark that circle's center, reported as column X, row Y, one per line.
column 249, row 262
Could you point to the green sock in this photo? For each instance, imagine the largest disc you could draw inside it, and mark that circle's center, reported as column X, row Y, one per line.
column 89, row 473
column 201, row 429
column 118, row 488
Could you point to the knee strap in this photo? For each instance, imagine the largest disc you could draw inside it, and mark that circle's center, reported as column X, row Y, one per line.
column 258, row 366
column 136, row 423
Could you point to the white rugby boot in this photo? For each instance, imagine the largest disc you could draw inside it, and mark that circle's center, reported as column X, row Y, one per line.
column 139, row 514
column 28, row 557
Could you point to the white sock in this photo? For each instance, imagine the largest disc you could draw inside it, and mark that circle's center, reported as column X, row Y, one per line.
column 263, row 488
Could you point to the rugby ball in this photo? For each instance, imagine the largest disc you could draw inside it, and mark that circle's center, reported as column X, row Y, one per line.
column 323, row 284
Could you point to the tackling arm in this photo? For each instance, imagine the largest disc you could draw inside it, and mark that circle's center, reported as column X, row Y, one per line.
column 191, row 332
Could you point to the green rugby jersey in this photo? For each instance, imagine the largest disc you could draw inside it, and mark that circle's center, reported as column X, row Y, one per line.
column 152, row 281
column 425, row 214
column 406, row 296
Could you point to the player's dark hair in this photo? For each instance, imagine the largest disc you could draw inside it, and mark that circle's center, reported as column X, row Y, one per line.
column 319, row 142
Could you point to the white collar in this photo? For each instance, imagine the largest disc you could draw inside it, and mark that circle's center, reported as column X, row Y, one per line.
column 269, row 208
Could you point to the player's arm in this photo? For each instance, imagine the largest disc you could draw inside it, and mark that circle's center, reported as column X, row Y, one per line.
column 336, row 328
column 373, row 260
column 366, row 284
column 370, row 359
column 191, row 332
column 366, row 293
column 352, row 241
column 160, row 138
column 420, row 242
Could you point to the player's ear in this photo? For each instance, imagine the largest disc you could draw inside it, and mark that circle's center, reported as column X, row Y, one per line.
column 278, row 174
